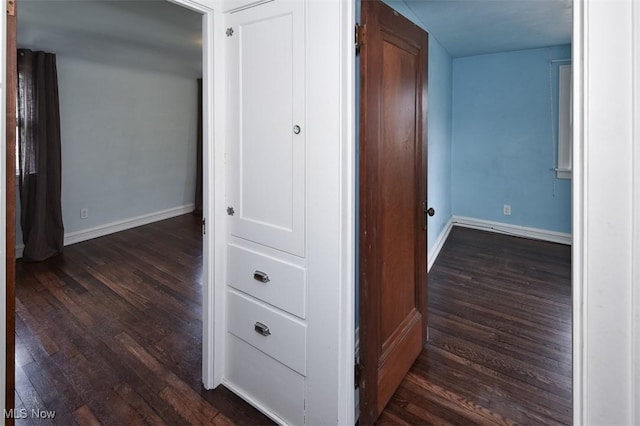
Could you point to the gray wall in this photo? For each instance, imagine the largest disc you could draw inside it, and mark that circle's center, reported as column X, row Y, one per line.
column 128, row 142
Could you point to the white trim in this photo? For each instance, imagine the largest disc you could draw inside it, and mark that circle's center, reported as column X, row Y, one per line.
column 123, row 225
column 439, row 243
column 330, row 116
column 603, row 261
column 213, row 148
column 635, row 284
column 117, row 226
column 232, row 7
column 214, row 253
column 518, row 231
column 348, row 341
column 578, row 249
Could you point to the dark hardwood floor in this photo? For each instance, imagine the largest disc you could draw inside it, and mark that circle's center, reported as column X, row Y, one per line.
column 499, row 349
column 110, row 333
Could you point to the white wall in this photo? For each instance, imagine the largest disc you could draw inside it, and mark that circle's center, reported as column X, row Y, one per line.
column 128, row 142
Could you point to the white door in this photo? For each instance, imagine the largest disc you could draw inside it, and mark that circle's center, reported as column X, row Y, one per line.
column 266, row 154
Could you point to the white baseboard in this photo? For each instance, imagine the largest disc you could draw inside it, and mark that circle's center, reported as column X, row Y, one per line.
column 442, row 238
column 117, row 226
column 518, row 231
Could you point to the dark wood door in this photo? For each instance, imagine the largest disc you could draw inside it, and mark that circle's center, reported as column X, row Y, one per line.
column 10, row 225
column 393, row 186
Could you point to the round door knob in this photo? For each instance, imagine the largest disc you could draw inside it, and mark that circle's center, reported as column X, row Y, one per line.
column 431, row 211
column 296, row 129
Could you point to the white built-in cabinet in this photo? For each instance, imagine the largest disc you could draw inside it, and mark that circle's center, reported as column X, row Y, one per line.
column 267, row 119
column 266, row 292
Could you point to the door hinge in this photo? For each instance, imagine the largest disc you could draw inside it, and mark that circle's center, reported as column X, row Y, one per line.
column 360, row 33
column 204, row 226
column 357, row 374
column 11, row 7
column 423, row 211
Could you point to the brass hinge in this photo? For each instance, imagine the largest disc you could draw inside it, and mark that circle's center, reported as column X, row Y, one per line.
column 357, row 374
column 11, row 7
column 360, row 34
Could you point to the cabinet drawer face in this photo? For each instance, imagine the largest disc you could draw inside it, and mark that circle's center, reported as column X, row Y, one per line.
column 265, row 382
column 278, row 283
column 266, row 132
column 269, row 330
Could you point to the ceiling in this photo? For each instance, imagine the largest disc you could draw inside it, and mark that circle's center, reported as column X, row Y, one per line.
column 159, row 35
column 476, row 27
column 149, row 34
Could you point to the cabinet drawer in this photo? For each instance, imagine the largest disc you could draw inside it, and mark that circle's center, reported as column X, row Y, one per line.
column 264, row 382
column 278, row 283
column 285, row 340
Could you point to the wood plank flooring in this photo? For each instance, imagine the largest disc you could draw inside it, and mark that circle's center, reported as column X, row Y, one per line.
column 110, row 333
column 499, row 349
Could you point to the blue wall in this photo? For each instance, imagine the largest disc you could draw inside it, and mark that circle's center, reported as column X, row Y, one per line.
column 503, row 148
column 440, row 139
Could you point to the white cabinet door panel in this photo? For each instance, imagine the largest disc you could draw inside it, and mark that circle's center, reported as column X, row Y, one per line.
column 266, row 150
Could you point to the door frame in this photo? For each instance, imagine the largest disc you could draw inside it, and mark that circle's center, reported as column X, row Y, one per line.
column 212, row 130
column 212, row 174
column 635, row 360
column 605, row 284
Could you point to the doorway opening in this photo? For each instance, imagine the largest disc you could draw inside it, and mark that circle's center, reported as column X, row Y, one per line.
column 484, row 157
column 140, row 21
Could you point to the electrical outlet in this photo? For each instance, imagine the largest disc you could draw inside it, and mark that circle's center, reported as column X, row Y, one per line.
column 506, row 209
column 84, row 213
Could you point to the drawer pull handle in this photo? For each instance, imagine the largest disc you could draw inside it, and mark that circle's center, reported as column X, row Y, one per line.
column 261, row 328
column 263, row 277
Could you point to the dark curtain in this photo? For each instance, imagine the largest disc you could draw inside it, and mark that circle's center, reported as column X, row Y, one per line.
column 198, row 202
column 40, row 158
